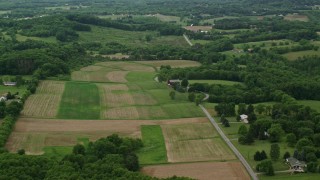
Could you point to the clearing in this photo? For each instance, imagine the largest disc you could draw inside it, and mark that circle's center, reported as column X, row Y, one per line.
column 198, row 28
column 45, row 102
column 201, row 171
column 296, row 17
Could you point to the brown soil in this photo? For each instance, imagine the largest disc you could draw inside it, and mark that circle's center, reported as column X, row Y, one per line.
column 201, row 171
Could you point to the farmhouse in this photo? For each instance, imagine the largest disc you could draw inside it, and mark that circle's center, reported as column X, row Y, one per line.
column 171, row 82
column 295, row 164
column 3, row 98
column 9, row 83
column 244, row 118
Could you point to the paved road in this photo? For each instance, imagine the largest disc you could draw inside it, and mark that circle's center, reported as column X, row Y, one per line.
column 234, row 149
column 188, row 40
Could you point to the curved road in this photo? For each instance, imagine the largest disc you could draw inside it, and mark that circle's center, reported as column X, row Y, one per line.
column 234, row 149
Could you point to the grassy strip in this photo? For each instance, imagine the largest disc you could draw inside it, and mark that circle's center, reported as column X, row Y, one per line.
column 154, row 150
column 80, row 101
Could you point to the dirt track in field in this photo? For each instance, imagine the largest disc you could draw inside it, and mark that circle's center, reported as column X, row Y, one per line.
column 201, row 171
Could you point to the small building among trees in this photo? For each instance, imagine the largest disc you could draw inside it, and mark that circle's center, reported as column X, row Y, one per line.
column 295, row 164
column 244, row 118
column 10, row 83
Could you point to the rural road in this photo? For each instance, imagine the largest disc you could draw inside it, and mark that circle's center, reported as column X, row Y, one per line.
column 234, row 149
column 187, row 39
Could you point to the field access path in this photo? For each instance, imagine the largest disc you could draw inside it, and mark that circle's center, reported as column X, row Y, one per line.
column 234, row 149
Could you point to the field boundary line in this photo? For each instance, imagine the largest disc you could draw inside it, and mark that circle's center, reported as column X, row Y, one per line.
column 232, row 147
column 187, row 39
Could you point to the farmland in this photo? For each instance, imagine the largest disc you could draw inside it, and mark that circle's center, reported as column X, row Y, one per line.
column 80, row 101
column 201, row 170
column 46, row 102
column 38, row 135
column 194, row 142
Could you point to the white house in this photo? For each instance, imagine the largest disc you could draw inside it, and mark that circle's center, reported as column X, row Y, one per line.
column 295, row 164
column 244, row 118
column 9, row 83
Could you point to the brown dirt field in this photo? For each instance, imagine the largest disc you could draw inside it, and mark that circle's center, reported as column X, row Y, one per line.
column 137, row 67
column 80, row 76
column 33, row 134
column 122, row 113
column 198, row 28
column 143, row 99
column 201, row 171
column 296, row 17
column 194, row 142
column 117, row 76
column 91, row 68
column 115, row 95
column 45, row 102
column 172, row 63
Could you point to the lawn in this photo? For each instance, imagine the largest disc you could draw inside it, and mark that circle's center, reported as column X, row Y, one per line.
column 232, row 131
column 80, row 101
column 154, row 150
column 248, row 152
column 221, row 82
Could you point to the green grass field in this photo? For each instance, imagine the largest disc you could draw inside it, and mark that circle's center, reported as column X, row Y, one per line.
column 295, row 55
column 5, row 89
column 80, row 101
column 57, row 152
column 313, row 104
column 286, row 176
column 154, row 150
column 45, row 39
column 222, row 82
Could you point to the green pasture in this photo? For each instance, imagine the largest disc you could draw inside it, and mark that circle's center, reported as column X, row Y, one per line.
column 45, row 39
column 182, row 110
column 162, row 96
column 57, row 152
column 313, row 104
column 289, row 176
column 221, row 82
column 291, row 56
column 154, row 150
column 12, row 89
column 80, row 101
column 106, row 35
column 139, row 76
